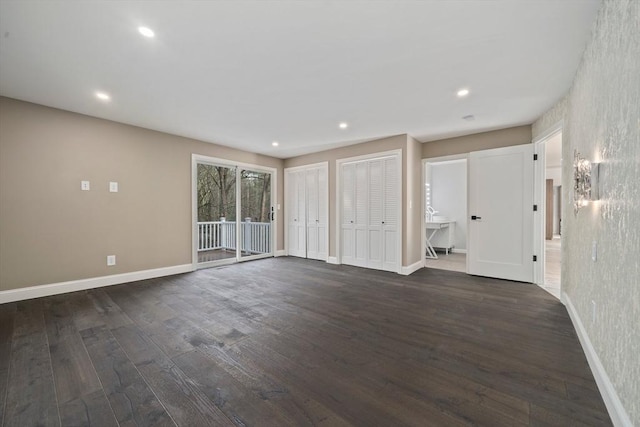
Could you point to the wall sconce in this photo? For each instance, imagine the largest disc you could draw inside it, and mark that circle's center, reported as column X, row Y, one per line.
column 585, row 181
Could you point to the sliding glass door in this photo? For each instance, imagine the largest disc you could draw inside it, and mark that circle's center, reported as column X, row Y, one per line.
column 256, row 212
column 233, row 212
column 216, row 198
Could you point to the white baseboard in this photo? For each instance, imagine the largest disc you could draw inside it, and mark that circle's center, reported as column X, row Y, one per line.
column 94, row 282
column 618, row 414
column 332, row 260
column 406, row 270
column 458, row 251
column 281, row 252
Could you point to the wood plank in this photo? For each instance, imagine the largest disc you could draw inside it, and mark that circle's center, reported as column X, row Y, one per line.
column 7, row 315
column 131, row 399
column 31, row 398
column 91, row 409
column 110, row 313
column 73, row 371
column 240, row 404
column 184, row 401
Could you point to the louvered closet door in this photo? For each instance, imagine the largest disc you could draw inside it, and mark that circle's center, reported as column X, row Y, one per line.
column 391, row 201
column 360, row 226
column 312, row 195
column 376, row 219
column 370, row 218
column 296, row 214
column 317, row 197
column 347, row 231
column 355, row 198
column 323, row 213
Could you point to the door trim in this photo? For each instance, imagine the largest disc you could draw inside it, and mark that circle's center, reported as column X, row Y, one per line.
column 539, row 220
column 200, row 158
column 338, row 201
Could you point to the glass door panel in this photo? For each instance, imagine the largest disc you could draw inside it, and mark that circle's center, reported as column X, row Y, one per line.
column 256, row 214
column 216, row 203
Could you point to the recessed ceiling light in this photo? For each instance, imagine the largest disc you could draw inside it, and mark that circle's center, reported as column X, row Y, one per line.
column 275, row 143
column 343, row 125
column 463, row 93
column 103, row 96
column 146, row 31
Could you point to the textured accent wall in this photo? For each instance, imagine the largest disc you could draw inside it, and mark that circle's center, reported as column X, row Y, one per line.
column 602, row 121
column 550, row 119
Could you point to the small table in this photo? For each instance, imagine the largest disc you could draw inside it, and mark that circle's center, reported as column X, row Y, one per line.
column 435, row 226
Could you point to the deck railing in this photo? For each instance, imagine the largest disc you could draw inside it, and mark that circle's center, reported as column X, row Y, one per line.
column 255, row 237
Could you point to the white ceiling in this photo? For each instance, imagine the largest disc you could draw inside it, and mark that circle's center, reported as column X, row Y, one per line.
column 246, row 73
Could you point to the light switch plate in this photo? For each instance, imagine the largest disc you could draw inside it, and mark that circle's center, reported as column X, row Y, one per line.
column 85, row 185
column 111, row 260
column 113, row 187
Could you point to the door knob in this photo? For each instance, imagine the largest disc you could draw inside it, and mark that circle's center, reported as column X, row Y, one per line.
column 474, row 217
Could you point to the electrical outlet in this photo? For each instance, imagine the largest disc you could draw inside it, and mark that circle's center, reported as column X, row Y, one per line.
column 113, row 187
column 111, row 260
column 85, row 185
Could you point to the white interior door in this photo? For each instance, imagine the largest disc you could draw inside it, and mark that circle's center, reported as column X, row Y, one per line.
column 501, row 213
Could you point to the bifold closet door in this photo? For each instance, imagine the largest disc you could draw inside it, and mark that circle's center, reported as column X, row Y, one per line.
column 354, row 214
column 316, row 202
column 296, row 214
column 391, row 199
column 370, row 199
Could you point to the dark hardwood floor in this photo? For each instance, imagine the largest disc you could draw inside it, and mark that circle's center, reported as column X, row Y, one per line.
column 286, row 341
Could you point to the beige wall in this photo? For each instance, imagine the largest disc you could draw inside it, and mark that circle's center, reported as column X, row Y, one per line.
column 370, row 147
column 51, row 231
column 479, row 141
column 601, row 116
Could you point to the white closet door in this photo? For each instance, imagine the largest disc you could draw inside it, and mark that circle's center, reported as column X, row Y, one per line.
column 360, row 225
column 311, row 179
column 347, row 231
column 323, row 212
column 296, row 214
column 301, row 209
column 376, row 215
column 370, row 218
column 391, row 200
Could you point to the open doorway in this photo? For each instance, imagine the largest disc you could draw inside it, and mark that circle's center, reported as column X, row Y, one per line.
column 445, row 213
column 553, row 213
